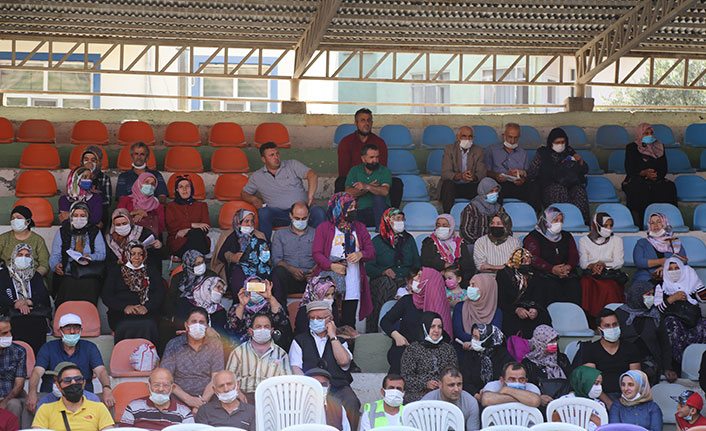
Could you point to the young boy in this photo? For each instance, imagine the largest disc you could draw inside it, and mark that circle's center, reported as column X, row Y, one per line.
column 689, row 410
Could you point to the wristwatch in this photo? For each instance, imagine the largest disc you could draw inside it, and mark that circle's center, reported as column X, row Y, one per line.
column 335, row 339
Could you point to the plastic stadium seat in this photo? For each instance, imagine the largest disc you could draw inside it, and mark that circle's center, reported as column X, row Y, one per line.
column 90, row 320
column 182, row 134
column 678, row 162
column 701, row 272
column 36, row 132
column 628, row 248
column 229, row 186
column 456, row 211
column 664, row 134
column 125, row 393
column 702, row 161
column 593, row 167
column 420, row 216
column 31, row 359
column 229, row 161
column 35, row 184
column 522, row 215
column 484, row 136
column 531, row 153
column 228, row 210
column 396, row 137
column 77, row 151
column 436, row 415
column 577, row 137
column 415, row 189
column 529, row 137
column 199, row 186
column 612, row 137
column 402, row 162
column 91, row 132
column 695, row 135
column 7, row 131
column 226, row 134
column 691, row 188
column 120, row 358
column 341, row 132
column 673, row 215
column 600, row 189
column 662, row 394
column 506, row 415
column 183, row 159
column 622, row 218
column 131, row 132
column 573, row 220
column 419, row 240
column 125, row 161
column 574, row 414
column 569, row 320
column 695, row 249
column 436, row 136
column 42, row 211
column 40, row 156
column 434, row 162
column 571, row 350
column 691, row 361
column 272, row 132
column 616, row 162
column 700, row 217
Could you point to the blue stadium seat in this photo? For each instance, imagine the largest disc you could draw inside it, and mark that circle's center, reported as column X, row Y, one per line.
column 530, row 154
column 341, row 132
column 456, row 212
column 522, row 215
column 701, row 273
column 628, row 248
column 695, row 135
column 529, row 137
column 702, row 164
column 700, row 217
column 387, row 306
column 691, row 361
column 434, row 162
column 484, row 136
column 419, row 240
column 691, row 188
column 600, row 189
column 616, row 162
column 673, row 215
column 573, row 220
column 420, row 216
column 612, row 137
column 664, row 134
column 695, row 250
column 593, row 167
column 396, row 136
column 402, row 162
column 577, row 137
column 569, row 320
column 437, row 136
column 622, row 219
column 415, row 189
column 678, row 162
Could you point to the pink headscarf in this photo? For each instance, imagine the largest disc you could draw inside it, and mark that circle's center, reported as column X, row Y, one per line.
column 139, row 200
column 450, row 248
column 432, row 297
column 655, row 149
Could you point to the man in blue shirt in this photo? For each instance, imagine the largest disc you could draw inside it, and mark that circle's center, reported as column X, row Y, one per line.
column 139, row 153
column 13, row 369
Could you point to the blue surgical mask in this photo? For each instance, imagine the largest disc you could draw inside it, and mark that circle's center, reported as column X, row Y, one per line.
column 300, row 224
column 70, row 339
column 492, row 197
column 688, row 418
column 23, row 262
column 317, row 326
column 473, row 293
column 265, row 256
column 516, row 385
column 147, row 189
column 649, row 139
column 256, row 298
column 85, row 184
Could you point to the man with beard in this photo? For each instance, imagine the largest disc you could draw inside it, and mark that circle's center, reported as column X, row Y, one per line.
column 369, row 182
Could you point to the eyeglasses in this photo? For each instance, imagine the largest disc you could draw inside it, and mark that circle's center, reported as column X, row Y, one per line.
column 69, row 380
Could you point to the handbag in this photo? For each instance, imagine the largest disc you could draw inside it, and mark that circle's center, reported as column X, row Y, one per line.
column 90, row 270
column 37, row 310
column 555, row 388
column 568, row 174
column 688, row 313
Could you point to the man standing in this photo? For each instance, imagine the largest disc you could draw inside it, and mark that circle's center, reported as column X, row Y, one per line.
column 279, row 183
column 140, row 153
column 227, row 410
column 291, row 252
column 462, row 167
column 158, row 410
column 369, row 182
column 385, row 412
column 451, row 391
column 335, row 413
column 13, row 369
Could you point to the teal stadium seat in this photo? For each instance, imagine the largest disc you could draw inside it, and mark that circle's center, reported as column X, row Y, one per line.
column 529, row 137
column 600, row 189
column 341, row 132
column 612, row 137
column 695, row 135
column 420, row 216
column 678, row 162
column 673, row 215
column 577, row 137
column 396, row 136
column 700, row 217
column 434, row 162
column 691, row 361
column 415, row 189
column 569, row 320
column 628, row 249
column 616, row 162
column 622, row 218
column 664, row 134
column 437, row 136
column 402, row 162
column 456, row 212
column 419, row 240
column 695, row 250
column 702, row 161
column 573, row 220
column 522, row 215
column 484, row 136
column 593, row 167
column 691, row 188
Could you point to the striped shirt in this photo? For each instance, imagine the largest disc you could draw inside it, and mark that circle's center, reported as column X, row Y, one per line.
column 142, row 413
column 250, row 368
column 485, row 252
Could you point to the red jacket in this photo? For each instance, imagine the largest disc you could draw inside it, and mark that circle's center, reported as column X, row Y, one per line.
column 180, row 217
column 349, row 151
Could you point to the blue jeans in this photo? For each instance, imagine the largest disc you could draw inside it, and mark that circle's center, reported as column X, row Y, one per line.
column 270, row 217
column 371, row 216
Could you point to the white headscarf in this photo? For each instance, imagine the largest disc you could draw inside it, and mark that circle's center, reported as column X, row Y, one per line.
column 688, row 283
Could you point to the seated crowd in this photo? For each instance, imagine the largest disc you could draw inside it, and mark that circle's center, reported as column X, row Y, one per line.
column 469, row 324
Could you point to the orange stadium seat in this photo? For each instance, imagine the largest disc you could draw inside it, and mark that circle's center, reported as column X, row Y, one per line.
column 35, row 184
column 229, row 161
column 36, row 132
column 125, row 161
column 31, row 359
column 90, row 320
column 7, row 131
column 40, row 156
column 75, row 158
column 135, row 131
column 89, row 132
column 125, row 393
column 272, row 132
column 229, row 186
column 228, row 210
column 120, row 358
column 42, row 211
column 182, row 134
column 183, row 159
column 199, row 186
column 226, row 134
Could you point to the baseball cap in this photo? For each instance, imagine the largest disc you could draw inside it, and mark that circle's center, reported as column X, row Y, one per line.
column 691, row 399
column 318, row 305
column 318, row 372
column 60, row 366
column 69, row 319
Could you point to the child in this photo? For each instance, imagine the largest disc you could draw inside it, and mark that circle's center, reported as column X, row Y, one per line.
column 454, row 292
column 688, row 410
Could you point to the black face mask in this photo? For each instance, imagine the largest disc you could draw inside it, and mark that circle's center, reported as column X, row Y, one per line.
column 350, row 216
column 524, row 269
column 73, row 392
column 497, row 231
column 371, row 166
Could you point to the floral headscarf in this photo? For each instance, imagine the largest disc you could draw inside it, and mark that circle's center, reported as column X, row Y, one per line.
column 177, row 197
column 92, row 149
column 337, row 208
column 257, row 301
column 538, row 354
column 667, row 242
column 545, row 221
column 22, row 277
column 73, row 188
column 491, row 337
column 316, row 289
column 394, row 240
column 450, row 248
column 599, row 221
column 190, row 280
column 655, row 149
column 139, row 200
column 136, row 278
column 243, row 239
column 516, row 259
column 202, row 295
column 643, row 384
column 507, row 225
column 118, row 243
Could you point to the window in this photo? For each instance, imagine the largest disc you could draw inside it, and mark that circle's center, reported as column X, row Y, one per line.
column 431, row 93
column 240, row 87
column 16, row 81
column 505, row 94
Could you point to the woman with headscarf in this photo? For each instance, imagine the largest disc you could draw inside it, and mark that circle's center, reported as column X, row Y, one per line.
column 491, row 251
column 475, row 218
column 20, row 232
column 645, row 171
column 402, row 321
column 23, row 297
column 77, row 258
column 79, row 188
column 640, row 323
column 92, row 159
column 187, row 220
column 560, row 173
column 546, row 366
column 395, row 253
column 444, row 248
column 652, row 252
column 484, row 362
column 123, row 231
column 635, row 405
column 319, row 288
column 133, row 293
column 207, row 295
column 521, row 314
column 341, row 246
column 479, row 306
column 587, row 382
column 144, row 207
column 423, row 361
column 554, row 260
column 601, row 258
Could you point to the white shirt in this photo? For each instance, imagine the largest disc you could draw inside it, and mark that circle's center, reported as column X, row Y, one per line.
column 296, row 358
column 392, row 420
column 485, row 252
column 352, row 269
column 495, row 386
column 610, row 253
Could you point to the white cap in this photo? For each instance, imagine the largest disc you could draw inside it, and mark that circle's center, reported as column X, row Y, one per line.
column 69, row 319
column 318, row 305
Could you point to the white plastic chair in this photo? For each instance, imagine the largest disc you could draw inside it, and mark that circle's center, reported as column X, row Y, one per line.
column 310, row 427
column 396, row 428
column 284, row 401
column 510, row 414
column 556, row 426
column 569, row 320
column 505, row 428
column 227, row 429
column 187, row 427
column 433, row 416
column 576, row 411
column 691, row 361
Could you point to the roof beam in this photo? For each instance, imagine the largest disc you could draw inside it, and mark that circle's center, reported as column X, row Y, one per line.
column 314, row 33
column 625, row 34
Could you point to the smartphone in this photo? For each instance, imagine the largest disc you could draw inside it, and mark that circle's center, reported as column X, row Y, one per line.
column 255, row 286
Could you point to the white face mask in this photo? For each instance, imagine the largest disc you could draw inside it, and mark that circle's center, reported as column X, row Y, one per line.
column 200, row 269
column 398, row 226
column 142, row 166
column 511, row 146
column 246, row 230
column 216, row 296
column 555, row 228
column 329, row 302
column 649, row 301
column 415, row 286
column 635, row 398
column 18, row 224
column 5, row 342
column 123, row 230
column 674, row 275
column 159, row 399
column 23, row 262
column 611, row 335
column 55, row 391
column 443, row 233
column 432, row 341
column 131, row 266
column 197, row 331
column 657, row 234
column 605, row 233
column 228, row 397
column 393, row 397
column 477, row 345
column 324, row 390
column 558, row 148
column 595, row 392
column 79, row 222
column 261, row 336
column 466, row 143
